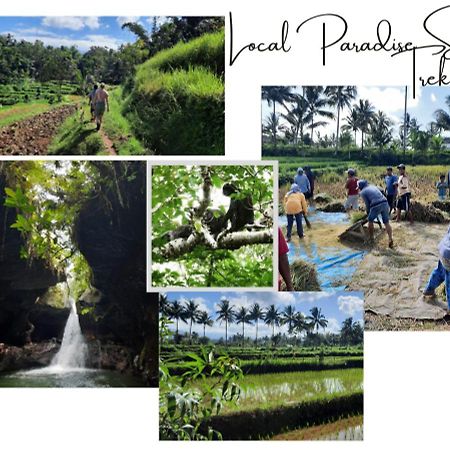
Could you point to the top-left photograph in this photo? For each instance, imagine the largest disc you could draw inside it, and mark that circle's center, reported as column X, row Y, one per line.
column 150, row 85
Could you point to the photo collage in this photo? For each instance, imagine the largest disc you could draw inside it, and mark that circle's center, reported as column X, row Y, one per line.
column 133, row 254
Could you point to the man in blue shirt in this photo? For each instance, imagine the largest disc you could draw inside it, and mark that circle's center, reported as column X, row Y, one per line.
column 391, row 188
column 376, row 205
column 303, row 183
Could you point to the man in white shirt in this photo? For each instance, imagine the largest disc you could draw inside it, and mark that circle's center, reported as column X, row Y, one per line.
column 404, row 193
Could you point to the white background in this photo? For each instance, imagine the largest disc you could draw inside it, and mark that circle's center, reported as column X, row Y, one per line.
column 407, row 397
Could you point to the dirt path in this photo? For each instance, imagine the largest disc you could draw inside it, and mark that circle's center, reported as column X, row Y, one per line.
column 32, row 136
column 392, row 280
column 108, row 143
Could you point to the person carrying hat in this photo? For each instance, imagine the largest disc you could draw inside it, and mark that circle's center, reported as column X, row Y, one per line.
column 352, row 191
column 404, row 192
column 376, row 205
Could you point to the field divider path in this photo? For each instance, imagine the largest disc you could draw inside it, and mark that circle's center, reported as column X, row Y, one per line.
column 108, row 143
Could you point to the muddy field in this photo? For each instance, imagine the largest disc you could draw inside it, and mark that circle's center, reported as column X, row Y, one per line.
column 32, row 136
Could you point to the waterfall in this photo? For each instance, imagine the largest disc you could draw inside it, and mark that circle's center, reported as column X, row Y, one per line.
column 73, row 351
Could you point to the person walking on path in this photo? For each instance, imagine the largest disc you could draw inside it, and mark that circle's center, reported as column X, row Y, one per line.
column 391, row 180
column 441, row 274
column 101, row 104
column 404, row 192
column 376, row 205
column 352, row 191
column 294, row 206
column 91, row 97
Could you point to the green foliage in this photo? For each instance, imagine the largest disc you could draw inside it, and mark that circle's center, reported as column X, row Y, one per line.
column 183, row 409
column 176, row 192
column 177, row 103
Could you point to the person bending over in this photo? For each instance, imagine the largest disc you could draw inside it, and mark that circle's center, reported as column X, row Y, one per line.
column 376, row 205
column 294, row 206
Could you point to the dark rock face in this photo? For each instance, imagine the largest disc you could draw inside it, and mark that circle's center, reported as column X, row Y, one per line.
column 111, row 234
column 21, row 281
column 27, row 357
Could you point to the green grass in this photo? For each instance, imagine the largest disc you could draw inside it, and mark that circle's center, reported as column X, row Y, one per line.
column 272, row 390
column 77, row 137
column 206, row 51
column 117, row 127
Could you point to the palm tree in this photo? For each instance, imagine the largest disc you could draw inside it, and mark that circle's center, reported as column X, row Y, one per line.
column 316, row 102
column 443, row 117
column 272, row 318
column 365, row 112
column 256, row 314
column 164, row 305
column 317, row 319
column 288, row 318
column 300, row 323
column 225, row 312
column 206, row 320
column 297, row 116
column 274, row 95
column 243, row 317
column 177, row 312
column 271, row 125
column 340, row 97
column 352, row 122
column 191, row 312
column 380, row 129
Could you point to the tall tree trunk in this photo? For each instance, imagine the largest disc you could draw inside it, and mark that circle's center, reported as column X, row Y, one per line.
column 256, row 340
column 404, row 122
column 190, row 331
column 226, row 332
column 204, row 331
column 274, row 130
column 337, row 130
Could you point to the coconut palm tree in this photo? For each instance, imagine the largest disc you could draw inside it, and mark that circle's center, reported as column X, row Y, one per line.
column 288, row 318
column 443, row 117
column 317, row 319
column 243, row 317
column 352, row 122
column 380, row 129
column 271, row 125
column 340, row 97
column 177, row 312
column 206, row 320
column 256, row 314
column 272, row 318
column 297, row 116
column 316, row 101
column 164, row 305
column 300, row 324
column 365, row 111
column 191, row 313
column 225, row 313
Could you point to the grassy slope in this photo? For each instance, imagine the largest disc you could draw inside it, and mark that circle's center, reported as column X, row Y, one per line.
column 118, row 129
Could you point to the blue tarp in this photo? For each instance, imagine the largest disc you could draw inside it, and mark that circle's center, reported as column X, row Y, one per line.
column 335, row 264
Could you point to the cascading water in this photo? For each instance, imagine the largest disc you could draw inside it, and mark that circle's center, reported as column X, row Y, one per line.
column 73, row 351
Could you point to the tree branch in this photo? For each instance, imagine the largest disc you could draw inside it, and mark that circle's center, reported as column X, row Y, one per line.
column 230, row 241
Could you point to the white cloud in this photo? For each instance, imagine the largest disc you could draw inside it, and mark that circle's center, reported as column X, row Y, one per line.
column 390, row 99
column 433, row 98
column 71, row 22
column 125, row 19
column 332, row 327
column 83, row 44
column 350, row 304
column 160, row 20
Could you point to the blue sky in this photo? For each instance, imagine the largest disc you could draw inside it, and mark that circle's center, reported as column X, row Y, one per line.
column 83, row 32
column 391, row 99
column 336, row 306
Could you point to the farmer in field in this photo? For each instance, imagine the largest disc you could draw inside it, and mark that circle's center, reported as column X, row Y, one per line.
column 283, row 262
column 311, row 177
column 295, row 206
column 301, row 180
column 101, row 104
column 91, row 97
column 441, row 274
column 404, row 192
column 352, row 191
column 391, row 181
column 441, row 187
column 376, row 205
